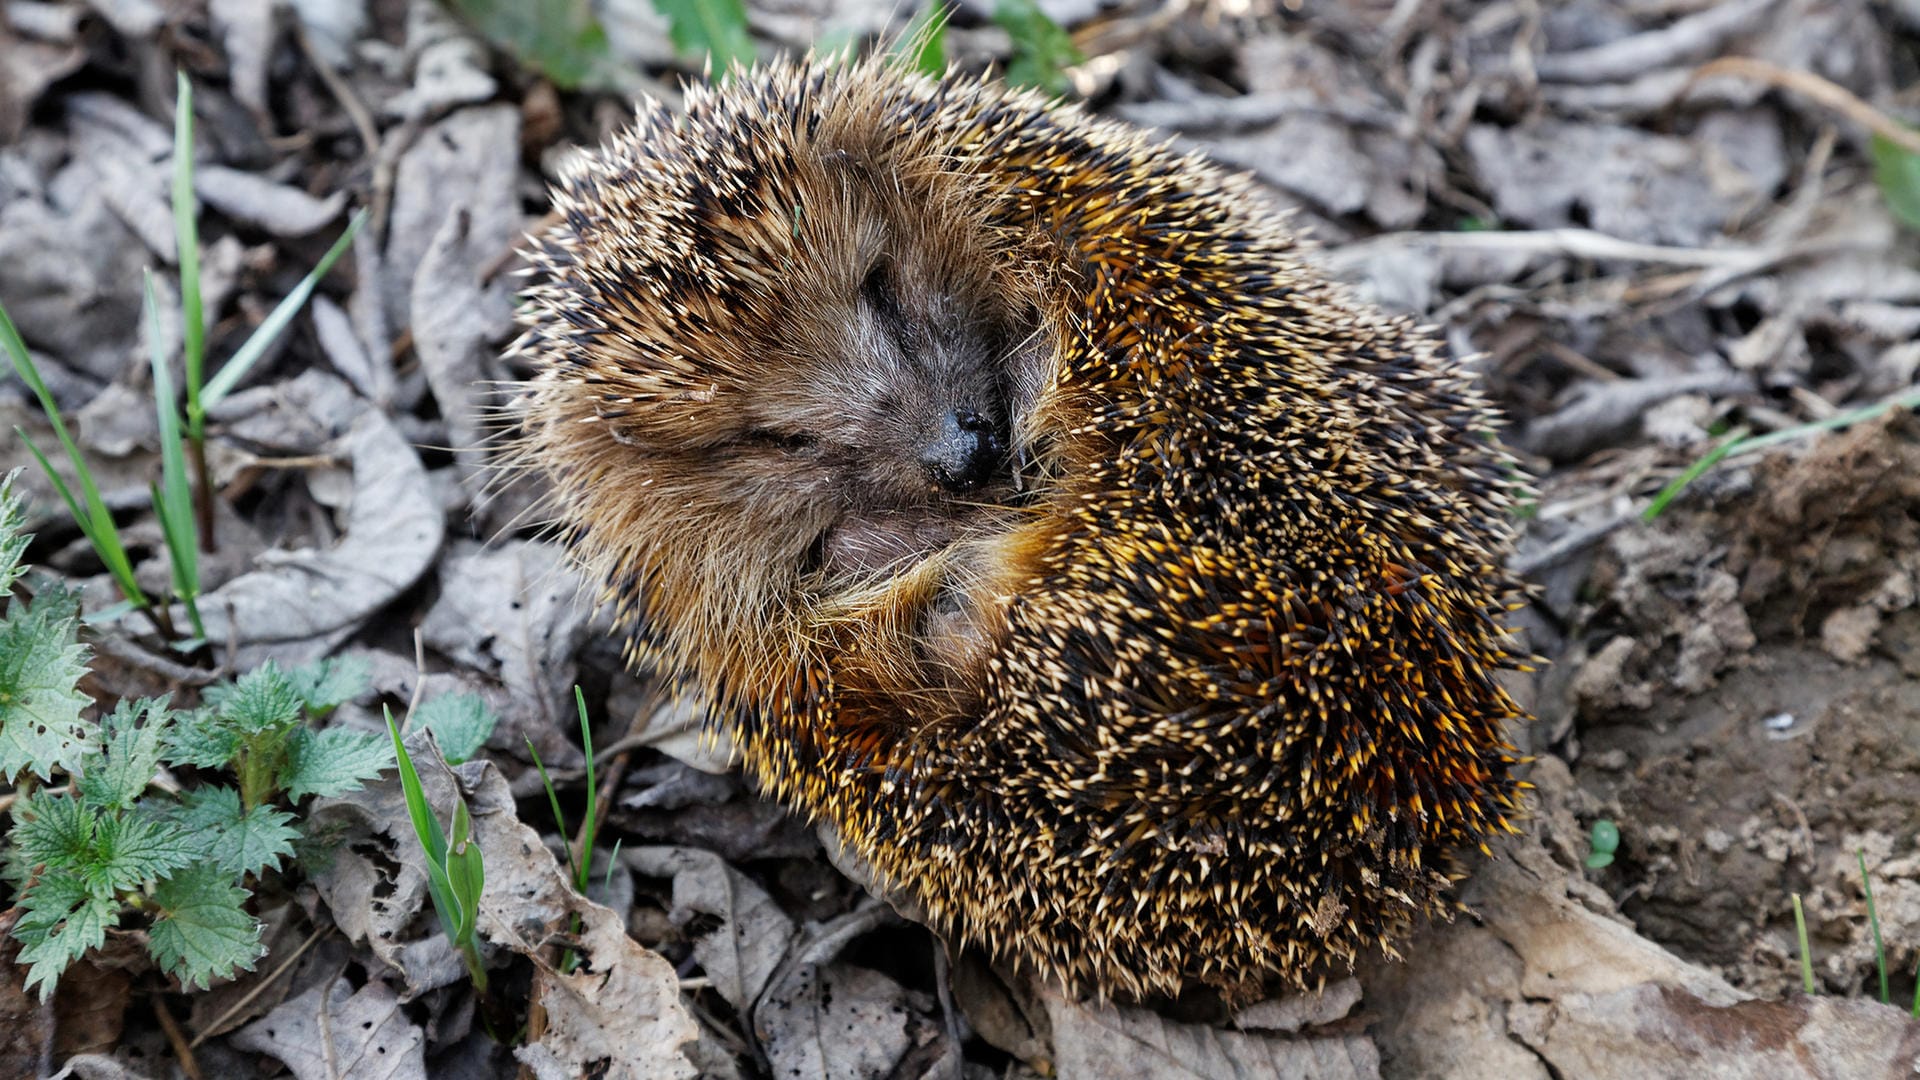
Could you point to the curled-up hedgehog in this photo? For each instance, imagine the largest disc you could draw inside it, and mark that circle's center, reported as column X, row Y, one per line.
column 1020, row 502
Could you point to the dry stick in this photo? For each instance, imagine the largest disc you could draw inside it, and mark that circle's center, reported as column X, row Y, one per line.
column 1822, row 91
column 342, row 92
column 260, row 987
column 943, row 990
column 131, row 654
column 176, row 1038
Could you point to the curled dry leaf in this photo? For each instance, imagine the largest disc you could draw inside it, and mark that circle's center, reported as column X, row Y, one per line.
column 468, row 160
column 394, row 528
column 280, row 209
column 451, row 338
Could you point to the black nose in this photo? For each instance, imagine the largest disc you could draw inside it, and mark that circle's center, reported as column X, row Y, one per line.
column 964, row 452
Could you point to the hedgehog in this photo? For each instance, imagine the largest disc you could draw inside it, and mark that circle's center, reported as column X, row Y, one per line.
column 1013, row 493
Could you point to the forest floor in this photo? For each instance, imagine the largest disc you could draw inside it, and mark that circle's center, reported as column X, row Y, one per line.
column 1657, row 226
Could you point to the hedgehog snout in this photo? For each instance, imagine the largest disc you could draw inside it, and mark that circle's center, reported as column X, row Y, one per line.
column 964, row 451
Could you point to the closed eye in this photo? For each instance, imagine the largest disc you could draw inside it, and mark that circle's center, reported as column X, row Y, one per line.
column 878, row 292
column 778, row 440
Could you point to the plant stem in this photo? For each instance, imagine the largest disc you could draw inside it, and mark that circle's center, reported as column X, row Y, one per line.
column 202, row 489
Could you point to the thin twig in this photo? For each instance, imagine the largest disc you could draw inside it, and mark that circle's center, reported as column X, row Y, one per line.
column 182, row 1050
column 130, row 653
column 1822, row 91
column 260, row 987
column 943, row 990
column 342, row 92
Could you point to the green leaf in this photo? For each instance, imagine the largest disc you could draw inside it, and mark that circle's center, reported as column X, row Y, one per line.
column 560, row 39
column 134, row 850
column 54, row 832
column 332, row 762
column 203, row 739
column 41, row 664
column 466, row 878
column 239, row 841
column 203, row 931
column 13, row 542
column 58, row 925
column 116, row 775
column 1897, row 170
column 326, row 684
column 262, row 700
column 715, row 29
column 461, row 724
column 1042, row 51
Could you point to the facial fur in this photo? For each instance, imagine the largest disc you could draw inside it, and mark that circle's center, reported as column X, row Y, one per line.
column 809, row 403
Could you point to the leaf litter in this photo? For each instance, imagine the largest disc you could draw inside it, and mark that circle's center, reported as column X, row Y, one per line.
column 1643, row 257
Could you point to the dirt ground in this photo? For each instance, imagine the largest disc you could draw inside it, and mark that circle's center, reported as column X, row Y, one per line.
column 1655, row 224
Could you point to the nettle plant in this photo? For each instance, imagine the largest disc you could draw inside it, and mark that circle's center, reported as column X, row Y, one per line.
column 160, row 816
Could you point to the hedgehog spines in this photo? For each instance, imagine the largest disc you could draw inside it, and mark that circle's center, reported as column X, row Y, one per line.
column 1200, row 685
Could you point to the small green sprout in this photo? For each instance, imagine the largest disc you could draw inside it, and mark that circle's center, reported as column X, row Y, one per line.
column 455, row 875
column 1604, row 841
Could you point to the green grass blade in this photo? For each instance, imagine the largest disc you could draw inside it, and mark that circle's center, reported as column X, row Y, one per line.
column 553, row 800
column 585, row 863
column 1806, row 950
column 1693, row 472
column 59, row 485
column 186, row 233
column 90, row 511
column 256, row 346
column 173, row 499
column 1873, row 920
column 1740, row 443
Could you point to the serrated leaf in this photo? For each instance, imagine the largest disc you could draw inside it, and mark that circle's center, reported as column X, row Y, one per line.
column 133, row 738
column 461, row 724
column 560, row 39
column 326, row 684
column 203, row 931
column 332, row 762
column 203, row 739
column 240, row 841
column 58, row 926
column 55, row 832
column 41, row 665
column 133, row 850
column 262, row 700
column 13, row 542
column 1897, row 170
column 1042, row 51
column 714, row 29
